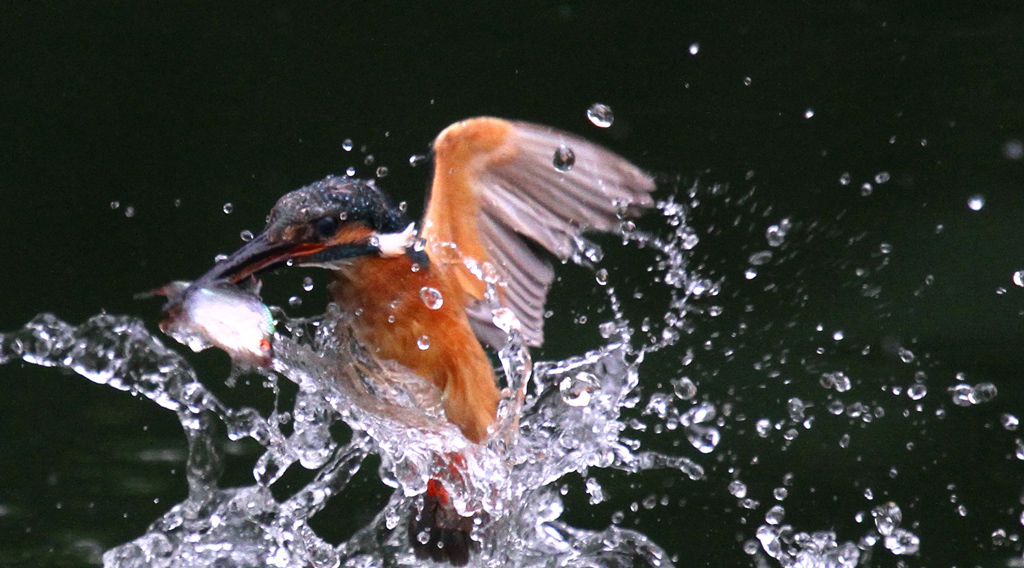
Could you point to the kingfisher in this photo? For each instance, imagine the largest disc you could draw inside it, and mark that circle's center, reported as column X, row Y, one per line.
column 507, row 199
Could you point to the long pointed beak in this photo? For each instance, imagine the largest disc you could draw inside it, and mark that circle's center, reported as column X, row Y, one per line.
column 257, row 255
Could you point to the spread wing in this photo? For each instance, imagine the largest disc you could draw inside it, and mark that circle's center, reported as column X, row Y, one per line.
column 498, row 197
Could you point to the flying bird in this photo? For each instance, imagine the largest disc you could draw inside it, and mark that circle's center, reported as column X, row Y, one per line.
column 506, row 199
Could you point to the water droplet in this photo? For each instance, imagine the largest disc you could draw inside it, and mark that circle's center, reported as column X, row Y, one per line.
column 737, row 489
column 887, row 518
column 382, row 171
column 1018, row 278
column 246, row 235
column 600, row 115
column 228, row 208
column 983, row 392
column 595, row 491
column 601, row 275
column 346, row 145
column 775, row 515
column 177, row 202
column 129, row 211
column 703, row 438
column 423, row 342
column 776, row 234
column 902, row 542
column 906, row 355
column 796, row 407
column 694, row 48
column 961, row 394
column 649, row 502
column 115, row 204
column 307, row 284
column 1009, row 422
column 917, row 391
column 431, row 297
column 417, row 159
column 747, row 81
column 1013, row 150
column 564, row 158
column 759, row 258
column 837, row 335
column 844, row 179
column 750, row 274
column 866, row 189
column 423, row 537
column 975, row 202
column 684, row 388
column 368, row 160
column 809, row 113
column 350, row 172
column 881, row 177
column 763, row 427
column 295, row 301
column 577, row 390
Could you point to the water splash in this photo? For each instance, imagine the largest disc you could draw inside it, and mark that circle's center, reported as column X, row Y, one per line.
column 717, row 399
column 556, row 418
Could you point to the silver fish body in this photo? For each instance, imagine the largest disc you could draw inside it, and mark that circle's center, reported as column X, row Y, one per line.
column 219, row 315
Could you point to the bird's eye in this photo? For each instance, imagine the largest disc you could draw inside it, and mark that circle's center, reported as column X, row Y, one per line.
column 326, row 227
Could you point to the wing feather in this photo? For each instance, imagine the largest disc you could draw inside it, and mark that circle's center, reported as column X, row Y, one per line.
column 496, row 187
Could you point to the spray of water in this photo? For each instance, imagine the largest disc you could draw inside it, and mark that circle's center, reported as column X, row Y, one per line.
column 556, row 419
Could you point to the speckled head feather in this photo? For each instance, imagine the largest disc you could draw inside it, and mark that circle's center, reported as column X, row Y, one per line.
column 346, row 198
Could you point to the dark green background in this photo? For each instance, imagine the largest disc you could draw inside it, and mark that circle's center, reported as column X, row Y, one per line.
column 146, row 103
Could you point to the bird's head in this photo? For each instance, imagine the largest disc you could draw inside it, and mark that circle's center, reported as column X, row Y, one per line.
column 323, row 224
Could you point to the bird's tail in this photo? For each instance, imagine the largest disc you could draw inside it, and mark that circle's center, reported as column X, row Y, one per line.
column 438, row 532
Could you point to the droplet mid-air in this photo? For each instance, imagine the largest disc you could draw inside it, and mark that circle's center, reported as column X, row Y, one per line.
column 600, row 115
column 1018, row 278
column 431, row 297
column 564, row 158
column 760, row 258
column 423, row 342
